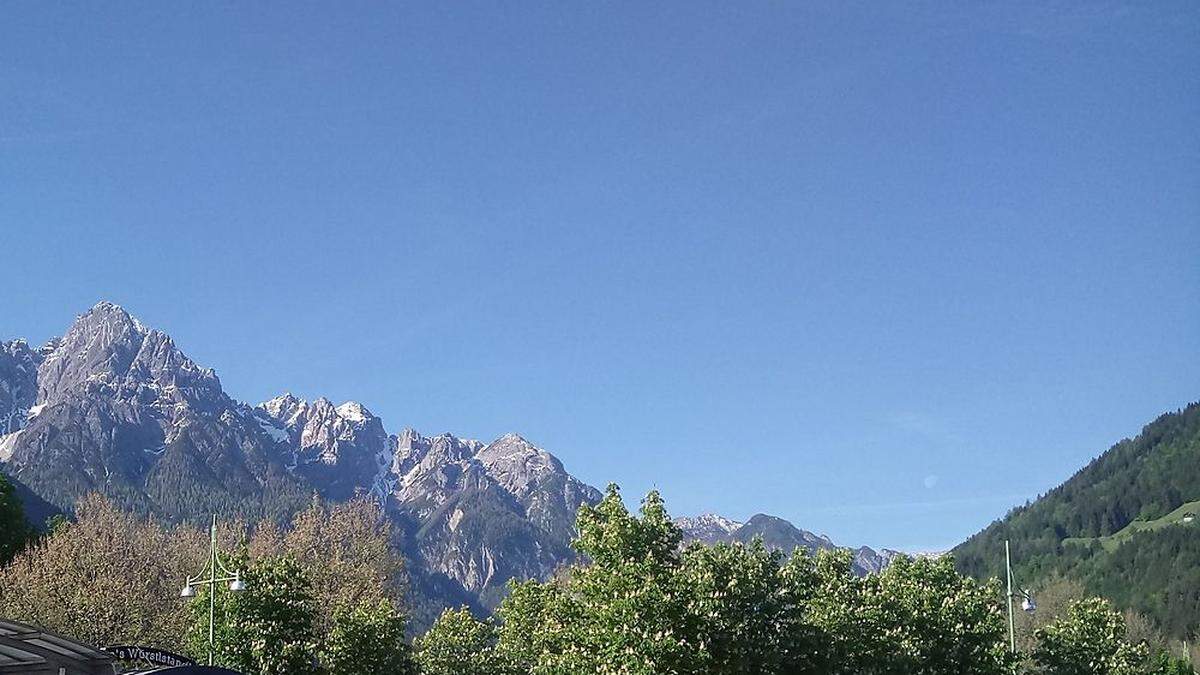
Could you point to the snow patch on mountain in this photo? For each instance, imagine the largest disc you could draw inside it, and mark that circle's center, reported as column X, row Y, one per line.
column 8, row 443
column 275, row 433
column 708, row 521
column 352, row 411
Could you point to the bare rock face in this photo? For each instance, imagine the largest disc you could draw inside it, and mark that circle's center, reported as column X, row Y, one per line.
column 537, row 480
column 339, row 449
column 18, row 384
column 869, row 561
column 107, row 352
column 476, row 523
column 475, row 514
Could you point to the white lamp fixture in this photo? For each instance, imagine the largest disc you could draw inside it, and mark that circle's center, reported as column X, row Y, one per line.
column 188, row 592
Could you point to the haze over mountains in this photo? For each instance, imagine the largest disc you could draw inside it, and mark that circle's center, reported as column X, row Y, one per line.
column 115, row 407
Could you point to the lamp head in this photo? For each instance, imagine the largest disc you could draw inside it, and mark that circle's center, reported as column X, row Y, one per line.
column 237, row 585
column 1028, row 604
column 187, row 592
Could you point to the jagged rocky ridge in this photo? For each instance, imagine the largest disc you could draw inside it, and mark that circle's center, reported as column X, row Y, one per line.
column 116, row 407
column 777, row 533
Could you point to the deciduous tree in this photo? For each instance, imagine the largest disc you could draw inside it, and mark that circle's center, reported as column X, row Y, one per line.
column 1089, row 640
column 368, row 639
column 459, row 644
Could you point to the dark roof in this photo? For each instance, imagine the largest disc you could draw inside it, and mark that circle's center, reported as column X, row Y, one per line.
column 31, row 650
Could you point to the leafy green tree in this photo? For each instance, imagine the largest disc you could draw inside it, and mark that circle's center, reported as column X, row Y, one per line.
column 14, row 529
column 641, row 604
column 529, row 634
column 1089, row 640
column 368, row 639
column 947, row 623
column 458, row 644
column 748, row 619
column 265, row 630
column 632, row 605
column 916, row 617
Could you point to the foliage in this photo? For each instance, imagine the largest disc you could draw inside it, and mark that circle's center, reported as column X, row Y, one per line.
column 1089, row 640
column 630, row 608
column 14, row 529
column 322, row 598
column 113, row 577
column 523, row 639
column 642, row 604
column 917, row 616
column 265, row 630
column 458, row 644
column 1166, row 663
column 347, row 553
column 368, row 639
column 749, row 610
column 109, row 577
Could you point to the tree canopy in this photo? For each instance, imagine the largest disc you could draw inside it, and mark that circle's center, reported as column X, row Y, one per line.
column 326, row 595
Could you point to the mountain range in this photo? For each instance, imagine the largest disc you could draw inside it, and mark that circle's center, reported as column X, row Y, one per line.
column 116, row 407
column 779, row 534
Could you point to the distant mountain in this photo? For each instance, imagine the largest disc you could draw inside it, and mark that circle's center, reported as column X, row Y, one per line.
column 115, row 407
column 120, row 410
column 1120, row 526
column 779, row 534
column 708, row 528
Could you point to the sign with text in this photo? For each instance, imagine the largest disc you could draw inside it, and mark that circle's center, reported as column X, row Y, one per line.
column 154, row 657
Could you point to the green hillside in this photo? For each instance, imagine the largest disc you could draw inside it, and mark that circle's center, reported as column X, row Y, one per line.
column 1119, row 526
column 1188, row 514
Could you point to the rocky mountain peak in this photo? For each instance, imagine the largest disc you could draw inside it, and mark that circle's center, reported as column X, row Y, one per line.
column 707, row 527
column 353, row 411
column 341, row 449
column 283, row 408
column 108, row 349
column 518, row 465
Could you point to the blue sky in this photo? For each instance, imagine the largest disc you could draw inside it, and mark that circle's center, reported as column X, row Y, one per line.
column 883, row 270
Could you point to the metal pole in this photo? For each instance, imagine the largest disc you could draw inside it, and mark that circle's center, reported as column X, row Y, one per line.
column 1012, row 635
column 212, row 585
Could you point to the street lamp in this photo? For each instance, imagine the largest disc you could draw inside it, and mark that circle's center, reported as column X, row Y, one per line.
column 1027, row 603
column 214, row 567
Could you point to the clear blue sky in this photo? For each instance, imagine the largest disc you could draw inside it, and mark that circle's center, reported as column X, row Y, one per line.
column 882, row 269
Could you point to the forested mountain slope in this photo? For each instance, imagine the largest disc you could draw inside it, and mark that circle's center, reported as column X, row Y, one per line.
column 1120, row 526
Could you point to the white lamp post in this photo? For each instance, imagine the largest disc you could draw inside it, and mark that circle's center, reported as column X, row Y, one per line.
column 1027, row 603
column 211, row 570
